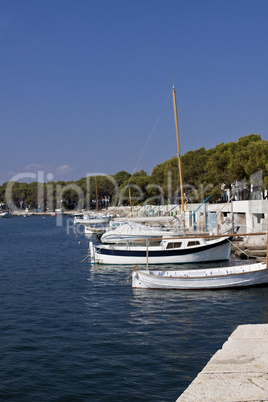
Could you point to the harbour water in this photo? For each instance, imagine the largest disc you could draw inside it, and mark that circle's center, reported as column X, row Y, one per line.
column 74, row 332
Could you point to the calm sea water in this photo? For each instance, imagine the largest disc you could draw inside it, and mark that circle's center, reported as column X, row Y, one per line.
column 73, row 332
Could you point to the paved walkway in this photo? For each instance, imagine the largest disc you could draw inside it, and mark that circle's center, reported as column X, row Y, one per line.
column 237, row 372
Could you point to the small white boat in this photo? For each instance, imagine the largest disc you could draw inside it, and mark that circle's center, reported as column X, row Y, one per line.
column 87, row 218
column 103, row 219
column 129, row 231
column 215, row 278
column 169, row 251
column 99, row 229
column 81, row 218
column 5, row 214
column 77, row 215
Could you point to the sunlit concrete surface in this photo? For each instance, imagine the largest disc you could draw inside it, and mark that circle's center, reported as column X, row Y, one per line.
column 237, row 372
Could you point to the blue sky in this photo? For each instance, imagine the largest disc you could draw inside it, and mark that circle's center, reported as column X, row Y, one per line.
column 83, row 82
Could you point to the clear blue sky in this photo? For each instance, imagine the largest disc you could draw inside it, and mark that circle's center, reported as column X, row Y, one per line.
column 83, row 82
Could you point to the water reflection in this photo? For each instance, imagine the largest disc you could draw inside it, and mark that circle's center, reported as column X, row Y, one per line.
column 91, row 336
column 162, row 339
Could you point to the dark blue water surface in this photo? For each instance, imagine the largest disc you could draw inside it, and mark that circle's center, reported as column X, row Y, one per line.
column 73, row 332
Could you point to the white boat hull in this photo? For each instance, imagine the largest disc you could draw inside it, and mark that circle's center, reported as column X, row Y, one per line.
column 124, row 254
column 114, row 238
column 215, row 278
column 131, row 231
column 94, row 230
column 5, row 215
column 93, row 221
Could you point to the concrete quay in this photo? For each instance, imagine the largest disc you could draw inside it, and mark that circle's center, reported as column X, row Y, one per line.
column 237, row 372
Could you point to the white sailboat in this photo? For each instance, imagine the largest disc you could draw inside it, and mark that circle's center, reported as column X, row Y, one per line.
column 178, row 251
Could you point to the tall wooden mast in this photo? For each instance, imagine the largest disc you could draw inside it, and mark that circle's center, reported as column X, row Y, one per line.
column 129, row 192
column 178, row 144
column 97, row 200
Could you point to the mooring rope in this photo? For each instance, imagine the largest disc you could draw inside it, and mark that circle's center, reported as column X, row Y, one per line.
column 243, row 252
column 70, row 262
column 80, row 262
column 125, row 280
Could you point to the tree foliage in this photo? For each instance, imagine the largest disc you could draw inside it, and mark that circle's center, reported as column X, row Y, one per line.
column 205, row 173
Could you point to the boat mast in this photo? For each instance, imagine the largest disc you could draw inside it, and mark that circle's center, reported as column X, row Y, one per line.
column 129, row 193
column 178, row 144
column 97, row 200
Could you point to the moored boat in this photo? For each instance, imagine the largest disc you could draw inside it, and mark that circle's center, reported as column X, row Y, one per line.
column 168, row 251
column 92, row 219
column 98, row 229
column 215, row 278
column 129, row 231
column 5, row 214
